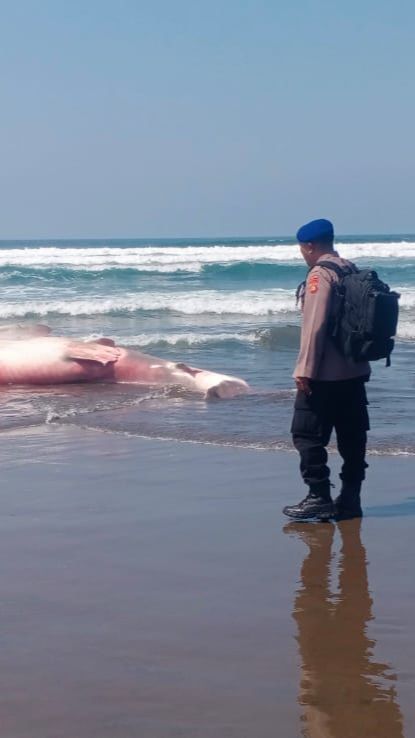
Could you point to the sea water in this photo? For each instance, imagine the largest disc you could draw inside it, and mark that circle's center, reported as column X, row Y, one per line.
column 221, row 304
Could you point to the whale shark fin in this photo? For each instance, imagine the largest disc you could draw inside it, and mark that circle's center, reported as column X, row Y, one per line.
column 94, row 351
column 189, row 369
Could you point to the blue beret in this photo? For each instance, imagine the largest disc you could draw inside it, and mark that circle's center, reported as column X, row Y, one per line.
column 316, row 230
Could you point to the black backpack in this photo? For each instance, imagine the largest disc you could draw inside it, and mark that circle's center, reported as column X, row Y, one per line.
column 364, row 315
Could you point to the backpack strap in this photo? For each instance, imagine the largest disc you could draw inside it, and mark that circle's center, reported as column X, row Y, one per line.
column 334, row 317
column 339, row 270
column 299, row 293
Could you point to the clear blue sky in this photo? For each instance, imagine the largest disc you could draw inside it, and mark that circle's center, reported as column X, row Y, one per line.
column 185, row 118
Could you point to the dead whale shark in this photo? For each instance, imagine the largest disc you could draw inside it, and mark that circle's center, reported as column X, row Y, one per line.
column 31, row 356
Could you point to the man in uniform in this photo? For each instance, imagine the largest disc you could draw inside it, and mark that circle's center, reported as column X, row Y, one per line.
column 330, row 391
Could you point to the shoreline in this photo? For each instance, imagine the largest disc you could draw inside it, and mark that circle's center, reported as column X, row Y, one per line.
column 284, row 447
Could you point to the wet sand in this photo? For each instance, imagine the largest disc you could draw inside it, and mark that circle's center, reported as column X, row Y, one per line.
column 152, row 589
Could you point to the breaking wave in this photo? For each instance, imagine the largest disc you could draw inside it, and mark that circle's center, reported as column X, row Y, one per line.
column 272, row 302
column 187, row 258
column 284, row 336
column 247, row 302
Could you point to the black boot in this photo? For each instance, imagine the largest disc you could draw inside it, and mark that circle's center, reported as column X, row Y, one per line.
column 317, row 505
column 347, row 504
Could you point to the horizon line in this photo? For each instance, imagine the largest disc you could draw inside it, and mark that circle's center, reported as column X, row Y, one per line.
column 199, row 238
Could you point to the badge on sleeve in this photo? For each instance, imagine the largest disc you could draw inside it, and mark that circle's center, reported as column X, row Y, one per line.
column 313, row 283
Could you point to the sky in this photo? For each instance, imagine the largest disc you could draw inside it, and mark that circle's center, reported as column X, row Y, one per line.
column 130, row 118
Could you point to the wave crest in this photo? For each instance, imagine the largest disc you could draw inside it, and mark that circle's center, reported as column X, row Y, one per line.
column 247, row 302
column 187, row 258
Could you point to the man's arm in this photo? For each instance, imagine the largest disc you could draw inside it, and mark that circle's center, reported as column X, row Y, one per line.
column 316, row 312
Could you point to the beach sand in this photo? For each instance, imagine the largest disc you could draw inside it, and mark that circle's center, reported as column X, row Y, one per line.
column 153, row 589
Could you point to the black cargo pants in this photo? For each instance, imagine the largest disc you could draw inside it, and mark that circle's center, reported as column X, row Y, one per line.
column 340, row 405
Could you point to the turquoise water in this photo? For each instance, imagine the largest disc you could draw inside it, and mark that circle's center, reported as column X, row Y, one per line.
column 224, row 304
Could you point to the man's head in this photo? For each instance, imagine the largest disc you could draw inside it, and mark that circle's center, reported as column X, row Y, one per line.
column 315, row 238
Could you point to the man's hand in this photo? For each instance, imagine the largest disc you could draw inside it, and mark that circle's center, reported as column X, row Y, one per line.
column 303, row 385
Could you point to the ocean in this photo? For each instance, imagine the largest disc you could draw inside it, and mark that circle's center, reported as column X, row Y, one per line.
column 221, row 304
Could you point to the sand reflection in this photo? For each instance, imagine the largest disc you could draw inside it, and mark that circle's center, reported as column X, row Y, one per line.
column 344, row 691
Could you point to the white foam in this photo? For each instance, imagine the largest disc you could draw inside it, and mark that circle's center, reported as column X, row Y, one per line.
column 407, row 300
column 272, row 302
column 180, row 339
column 278, row 304
column 248, row 302
column 406, row 330
column 188, row 259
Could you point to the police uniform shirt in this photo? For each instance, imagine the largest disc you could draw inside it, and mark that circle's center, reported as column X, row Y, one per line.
column 318, row 358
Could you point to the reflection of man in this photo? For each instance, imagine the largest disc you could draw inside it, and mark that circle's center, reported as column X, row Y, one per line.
column 344, row 693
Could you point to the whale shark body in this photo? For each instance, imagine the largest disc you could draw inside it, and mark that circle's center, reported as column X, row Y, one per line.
column 31, row 356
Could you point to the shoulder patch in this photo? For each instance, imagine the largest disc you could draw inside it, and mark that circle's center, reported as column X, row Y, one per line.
column 313, row 283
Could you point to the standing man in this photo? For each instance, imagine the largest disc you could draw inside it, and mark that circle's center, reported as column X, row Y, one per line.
column 330, row 391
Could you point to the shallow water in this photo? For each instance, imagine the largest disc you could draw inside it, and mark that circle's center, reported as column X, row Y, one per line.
column 226, row 305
